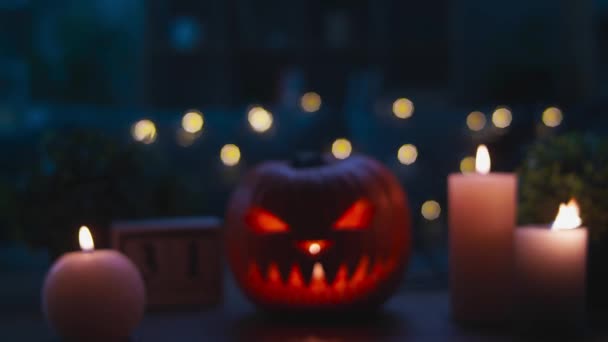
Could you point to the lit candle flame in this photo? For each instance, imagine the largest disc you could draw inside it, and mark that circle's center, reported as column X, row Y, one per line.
column 482, row 160
column 568, row 216
column 86, row 239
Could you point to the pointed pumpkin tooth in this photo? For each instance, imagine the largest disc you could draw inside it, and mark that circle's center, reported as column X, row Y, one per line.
column 254, row 272
column 306, row 266
column 295, row 278
column 273, row 275
column 318, row 272
column 318, row 283
column 360, row 272
column 341, row 279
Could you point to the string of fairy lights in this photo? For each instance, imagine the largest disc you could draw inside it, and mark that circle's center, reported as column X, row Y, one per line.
column 261, row 120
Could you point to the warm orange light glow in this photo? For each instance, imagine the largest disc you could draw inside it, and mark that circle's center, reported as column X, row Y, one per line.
column 274, row 274
column 430, row 210
column 341, row 148
column 318, row 272
column 568, row 216
column 193, row 122
column 403, row 108
column 482, row 161
column 295, row 278
column 318, row 283
column 144, row 131
column 407, row 154
column 260, row 119
column 357, row 216
column 313, row 247
column 362, row 270
column 552, row 117
column 85, row 239
column 230, row 154
column 476, row 121
column 502, row 117
column 262, row 221
column 314, row 288
column 310, row 102
column 467, row 165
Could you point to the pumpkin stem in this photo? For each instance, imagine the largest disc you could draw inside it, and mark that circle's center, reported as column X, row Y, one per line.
column 307, row 159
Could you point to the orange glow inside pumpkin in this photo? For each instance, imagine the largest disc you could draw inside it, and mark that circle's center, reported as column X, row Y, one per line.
column 314, row 247
column 357, row 216
column 263, row 221
column 293, row 288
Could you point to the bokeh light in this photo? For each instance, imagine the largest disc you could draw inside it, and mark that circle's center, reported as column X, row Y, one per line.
column 341, row 148
column 310, row 102
column 430, row 210
column 230, row 154
column 476, row 121
column 407, row 154
column 467, row 165
column 144, row 131
column 193, row 122
column 260, row 119
column 502, row 117
column 403, row 108
column 552, row 117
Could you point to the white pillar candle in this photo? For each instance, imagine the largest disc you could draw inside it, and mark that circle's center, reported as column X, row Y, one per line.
column 551, row 268
column 481, row 223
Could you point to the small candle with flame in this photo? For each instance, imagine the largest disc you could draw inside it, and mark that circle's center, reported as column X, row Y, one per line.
column 93, row 295
column 482, row 215
column 551, row 268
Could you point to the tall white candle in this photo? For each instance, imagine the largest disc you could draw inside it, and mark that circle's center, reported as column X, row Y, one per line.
column 481, row 222
column 551, row 268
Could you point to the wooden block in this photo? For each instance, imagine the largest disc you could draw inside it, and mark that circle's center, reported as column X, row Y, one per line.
column 180, row 259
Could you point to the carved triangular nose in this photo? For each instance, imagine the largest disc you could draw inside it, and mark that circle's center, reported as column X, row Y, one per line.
column 314, row 248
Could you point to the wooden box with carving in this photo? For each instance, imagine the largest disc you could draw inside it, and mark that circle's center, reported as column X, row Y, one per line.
column 180, row 259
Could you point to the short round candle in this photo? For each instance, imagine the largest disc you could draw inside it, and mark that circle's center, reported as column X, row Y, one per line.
column 93, row 295
column 551, row 268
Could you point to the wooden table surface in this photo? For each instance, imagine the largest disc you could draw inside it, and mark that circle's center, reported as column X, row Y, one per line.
column 411, row 315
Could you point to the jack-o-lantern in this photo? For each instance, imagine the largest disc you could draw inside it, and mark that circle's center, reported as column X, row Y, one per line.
column 322, row 235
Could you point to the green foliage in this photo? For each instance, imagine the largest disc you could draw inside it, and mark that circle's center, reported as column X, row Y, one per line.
column 86, row 178
column 79, row 178
column 563, row 167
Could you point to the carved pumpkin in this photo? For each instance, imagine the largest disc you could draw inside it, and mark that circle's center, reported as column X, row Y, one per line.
column 323, row 235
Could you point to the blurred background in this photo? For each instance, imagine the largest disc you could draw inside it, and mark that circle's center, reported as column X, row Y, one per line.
column 126, row 109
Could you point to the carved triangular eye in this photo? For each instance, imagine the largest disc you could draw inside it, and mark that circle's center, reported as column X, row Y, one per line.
column 264, row 222
column 357, row 216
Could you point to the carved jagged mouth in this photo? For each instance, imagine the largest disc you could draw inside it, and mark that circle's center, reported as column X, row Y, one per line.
column 294, row 289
